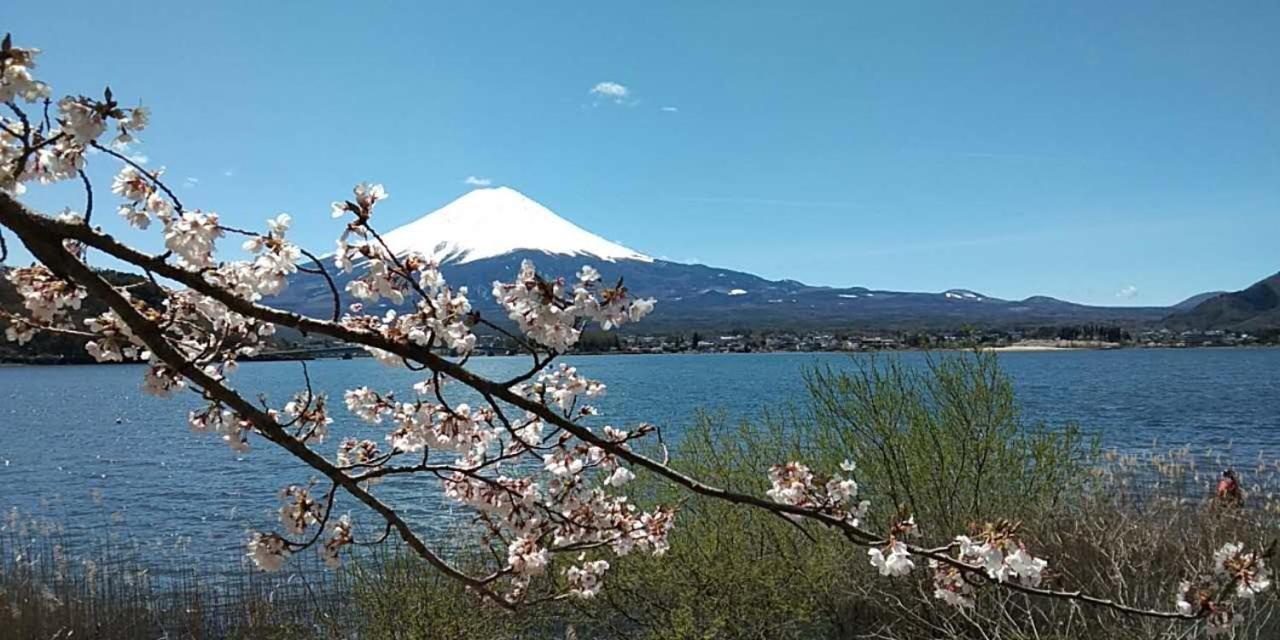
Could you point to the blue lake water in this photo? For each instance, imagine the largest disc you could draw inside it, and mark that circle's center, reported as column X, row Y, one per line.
column 84, row 446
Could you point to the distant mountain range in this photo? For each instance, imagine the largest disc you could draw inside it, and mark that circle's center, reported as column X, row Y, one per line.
column 1254, row 309
column 483, row 236
column 1194, row 301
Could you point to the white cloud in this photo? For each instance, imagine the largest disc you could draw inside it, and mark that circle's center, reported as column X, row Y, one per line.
column 610, row 91
column 189, row 182
column 140, row 158
column 477, row 182
column 1127, row 292
column 670, row 109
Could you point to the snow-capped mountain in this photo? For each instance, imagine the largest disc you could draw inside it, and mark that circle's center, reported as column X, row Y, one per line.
column 484, row 235
column 487, row 223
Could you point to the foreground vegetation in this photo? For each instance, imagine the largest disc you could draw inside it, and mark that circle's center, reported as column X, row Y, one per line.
column 946, row 443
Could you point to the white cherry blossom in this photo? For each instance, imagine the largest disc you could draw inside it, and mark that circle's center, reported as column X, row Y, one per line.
column 268, row 551
column 586, row 580
column 897, row 562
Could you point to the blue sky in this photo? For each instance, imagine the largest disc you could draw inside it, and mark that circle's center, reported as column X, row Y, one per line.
column 1109, row 153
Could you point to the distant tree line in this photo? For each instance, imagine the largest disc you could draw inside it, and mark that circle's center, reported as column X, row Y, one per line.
column 1102, row 333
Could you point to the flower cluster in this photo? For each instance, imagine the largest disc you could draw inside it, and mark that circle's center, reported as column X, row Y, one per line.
column 268, row 551
column 894, row 559
column 1237, row 576
column 355, row 453
column 298, row 510
column 309, row 413
column 40, row 151
column 1001, row 555
column 142, row 197
column 16, row 81
column 545, row 313
column 563, row 388
column 994, row 550
column 339, row 536
column 116, row 343
column 836, row 495
column 215, row 418
column 191, row 237
column 275, row 258
column 585, row 579
column 561, row 509
column 440, row 314
column 529, row 513
column 161, row 381
column 47, row 299
column 366, row 196
column 1248, row 571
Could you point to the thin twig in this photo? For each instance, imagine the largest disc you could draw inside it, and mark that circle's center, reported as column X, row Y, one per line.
column 333, row 287
column 88, row 196
column 177, row 204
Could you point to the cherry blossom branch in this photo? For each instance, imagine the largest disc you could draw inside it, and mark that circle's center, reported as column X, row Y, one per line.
column 53, row 255
column 940, row 554
column 155, row 179
column 22, row 221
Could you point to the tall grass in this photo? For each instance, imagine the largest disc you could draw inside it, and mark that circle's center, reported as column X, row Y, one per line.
column 106, row 589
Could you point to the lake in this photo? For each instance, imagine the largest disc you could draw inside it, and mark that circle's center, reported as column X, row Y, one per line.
column 84, row 447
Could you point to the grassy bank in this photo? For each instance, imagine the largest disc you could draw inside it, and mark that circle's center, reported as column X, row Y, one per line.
column 946, row 443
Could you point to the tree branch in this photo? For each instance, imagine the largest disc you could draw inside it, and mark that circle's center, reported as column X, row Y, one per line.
column 51, row 253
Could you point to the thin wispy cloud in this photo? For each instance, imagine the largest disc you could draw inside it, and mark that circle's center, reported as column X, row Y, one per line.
column 1127, row 293
column 140, row 158
column 670, row 109
column 477, row 181
column 982, row 154
column 612, row 91
column 773, row 202
column 190, row 182
column 230, row 173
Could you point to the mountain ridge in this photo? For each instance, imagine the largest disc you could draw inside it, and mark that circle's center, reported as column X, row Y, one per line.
column 690, row 296
column 1254, row 308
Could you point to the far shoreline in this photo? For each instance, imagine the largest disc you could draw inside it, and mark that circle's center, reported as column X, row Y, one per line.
column 1012, row 348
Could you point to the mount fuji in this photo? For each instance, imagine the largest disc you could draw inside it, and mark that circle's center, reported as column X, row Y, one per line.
column 485, row 234
column 490, row 223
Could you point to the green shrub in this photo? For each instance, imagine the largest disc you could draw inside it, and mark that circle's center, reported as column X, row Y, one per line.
column 946, row 442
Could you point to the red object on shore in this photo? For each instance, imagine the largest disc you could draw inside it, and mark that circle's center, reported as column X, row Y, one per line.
column 1228, row 492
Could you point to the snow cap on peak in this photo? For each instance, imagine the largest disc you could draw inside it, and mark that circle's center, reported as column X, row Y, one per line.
column 490, row 222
